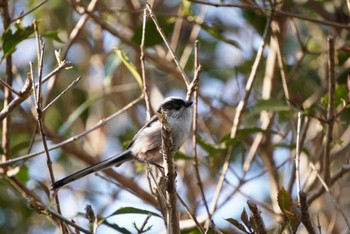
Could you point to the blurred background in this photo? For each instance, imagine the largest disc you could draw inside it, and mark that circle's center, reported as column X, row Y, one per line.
column 101, row 40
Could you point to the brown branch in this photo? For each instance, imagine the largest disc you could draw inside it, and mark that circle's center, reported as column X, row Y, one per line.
column 173, row 225
column 238, row 115
column 101, row 123
column 165, row 40
column 277, row 12
column 6, row 18
column 143, row 72
column 23, row 95
column 305, row 216
column 34, row 202
column 330, row 111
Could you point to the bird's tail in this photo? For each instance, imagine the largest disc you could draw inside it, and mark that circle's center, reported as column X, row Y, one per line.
column 113, row 161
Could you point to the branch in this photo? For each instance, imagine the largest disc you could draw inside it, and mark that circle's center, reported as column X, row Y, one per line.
column 170, row 175
column 305, row 216
column 330, row 111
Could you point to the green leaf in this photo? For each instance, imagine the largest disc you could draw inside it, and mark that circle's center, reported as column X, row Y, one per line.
column 133, row 210
column 275, row 105
column 216, row 32
column 75, row 115
column 116, row 227
column 152, row 36
column 210, row 148
column 237, row 224
column 10, row 40
column 284, row 200
column 341, row 94
column 52, row 35
column 181, row 156
column 131, row 67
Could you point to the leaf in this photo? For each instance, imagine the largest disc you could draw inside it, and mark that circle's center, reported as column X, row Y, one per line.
column 237, row 224
column 52, row 35
column 244, row 218
column 152, row 36
column 216, row 32
column 341, row 94
column 284, row 200
column 11, row 40
column 210, row 148
column 242, row 133
column 294, row 217
column 116, row 227
column 131, row 67
column 275, row 105
column 133, row 210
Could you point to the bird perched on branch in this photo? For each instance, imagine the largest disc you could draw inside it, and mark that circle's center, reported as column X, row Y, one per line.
column 147, row 143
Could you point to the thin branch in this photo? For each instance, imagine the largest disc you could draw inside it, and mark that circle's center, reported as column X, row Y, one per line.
column 239, row 111
column 39, row 119
column 330, row 111
column 194, row 137
column 62, row 93
column 277, row 12
column 142, row 58
column 101, row 123
column 166, row 42
column 6, row 18
column 192, row 216
column 29, row 12
column 9, row 87
column 305, row 215
column 19, row 99
column 23, row 95
column 297, row 155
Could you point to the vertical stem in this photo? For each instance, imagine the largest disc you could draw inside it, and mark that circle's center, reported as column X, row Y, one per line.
column 330, row 110
column 173, row 224
column 194, row 138
column 297, row 155
column 143, row 73
column 7, row 93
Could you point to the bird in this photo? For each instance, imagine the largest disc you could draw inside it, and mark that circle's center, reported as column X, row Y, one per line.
column 147, row 143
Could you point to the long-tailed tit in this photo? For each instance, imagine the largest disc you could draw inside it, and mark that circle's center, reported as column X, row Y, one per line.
column 147, row 143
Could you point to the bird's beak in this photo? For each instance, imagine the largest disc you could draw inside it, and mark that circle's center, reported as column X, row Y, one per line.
column 188, row 103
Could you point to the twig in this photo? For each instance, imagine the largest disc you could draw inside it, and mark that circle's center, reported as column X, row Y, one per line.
column 142, row 58
column 9, row 87
column 63, row 92
column 192, row 216
column 23, row 95
column 19, row 99
column 144, row 223
column 168, row 150
column 101, row 123
column 297, row 155
column 194, row 137
column 34, row 201
column 6, row 18
column 30, row 11
column 78, row 27
column 166, row 42
column 330, row 111
column 239, row 111
column 39, row 118
column 305, row 216
column 277, row 12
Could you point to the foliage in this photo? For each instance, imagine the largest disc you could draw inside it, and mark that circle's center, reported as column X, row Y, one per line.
column 246, row 160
